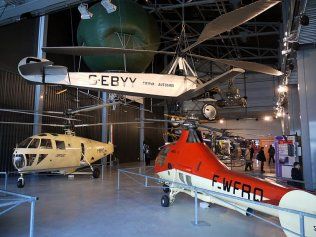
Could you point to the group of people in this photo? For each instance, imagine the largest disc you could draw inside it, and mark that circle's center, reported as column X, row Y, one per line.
column 249, row 153
column 296, row 172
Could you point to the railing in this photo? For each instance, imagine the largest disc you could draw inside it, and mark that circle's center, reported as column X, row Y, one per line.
column 5, row 179
column 301, row 214
column 10, row 200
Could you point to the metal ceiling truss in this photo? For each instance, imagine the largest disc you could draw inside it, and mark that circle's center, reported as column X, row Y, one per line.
column 232, row 45
column 14, row 10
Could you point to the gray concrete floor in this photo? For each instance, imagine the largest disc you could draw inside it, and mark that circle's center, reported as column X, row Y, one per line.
column 93, row 207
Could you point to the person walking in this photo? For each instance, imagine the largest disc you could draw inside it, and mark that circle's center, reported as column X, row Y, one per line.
column 271, row 152
column 252, row 152
column 146, row 152
column 248, row 160
column 262, row 158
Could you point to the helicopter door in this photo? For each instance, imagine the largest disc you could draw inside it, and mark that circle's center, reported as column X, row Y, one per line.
column 82, row 152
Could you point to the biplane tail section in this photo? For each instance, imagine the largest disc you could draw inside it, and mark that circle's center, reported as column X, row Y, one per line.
column 36, row 69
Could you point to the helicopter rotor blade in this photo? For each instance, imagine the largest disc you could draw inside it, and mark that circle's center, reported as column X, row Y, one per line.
column 38, row 114
column 91, row 108
column 108, row 124
column 22, row 123
column 230, row 20
column 249, row 66
column 98, row 51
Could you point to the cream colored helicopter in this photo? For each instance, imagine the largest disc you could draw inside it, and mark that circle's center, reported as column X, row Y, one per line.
column 63, row 153
column 58, row 152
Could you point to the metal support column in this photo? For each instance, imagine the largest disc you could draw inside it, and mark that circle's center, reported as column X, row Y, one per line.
column 32, row 218
column 196, row 209
column 306, row 59
column 118, row 179
column 141, row 131
column 294, row 110
column 104, row 130
column 40, row 89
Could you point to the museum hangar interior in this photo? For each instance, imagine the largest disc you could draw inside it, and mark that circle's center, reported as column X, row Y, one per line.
column 152, row 117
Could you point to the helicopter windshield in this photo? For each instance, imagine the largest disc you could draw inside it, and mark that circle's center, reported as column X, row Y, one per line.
column 18, row 161
column 25, row 143
column 34, row 144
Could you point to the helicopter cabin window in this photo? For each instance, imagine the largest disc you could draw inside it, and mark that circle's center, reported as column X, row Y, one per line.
column 181, row 177
column 34, row 143
column 193, row 137
column 25, row 143
column 60, row 145
column 30, row 159
column 46, row 144
column 188, row 179
column 41, row 157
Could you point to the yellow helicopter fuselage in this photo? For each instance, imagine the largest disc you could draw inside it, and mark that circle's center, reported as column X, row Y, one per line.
column 58, row 152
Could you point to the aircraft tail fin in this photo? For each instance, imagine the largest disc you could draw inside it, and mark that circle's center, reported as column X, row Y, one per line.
column 35, row 69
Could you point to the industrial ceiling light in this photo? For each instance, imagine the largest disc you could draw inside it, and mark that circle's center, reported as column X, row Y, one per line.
column 221, row 121
column 85, row 14
column 109, row 6
column 267, row 118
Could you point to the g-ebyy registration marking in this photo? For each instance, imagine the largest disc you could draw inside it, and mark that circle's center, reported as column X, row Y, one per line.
column 113, row 80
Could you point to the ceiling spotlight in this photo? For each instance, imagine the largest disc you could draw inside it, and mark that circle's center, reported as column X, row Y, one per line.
column 85, row 14
column 282, row 89
column 109, row 6
column 221, row 121
column 267, row 118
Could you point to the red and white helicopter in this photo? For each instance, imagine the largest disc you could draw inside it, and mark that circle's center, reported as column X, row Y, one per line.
column 190, row 162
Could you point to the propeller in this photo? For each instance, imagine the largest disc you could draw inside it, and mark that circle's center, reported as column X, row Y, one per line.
column 221, row 24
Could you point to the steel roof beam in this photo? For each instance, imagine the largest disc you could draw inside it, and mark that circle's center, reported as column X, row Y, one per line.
column 12, row 13
column 155, row 7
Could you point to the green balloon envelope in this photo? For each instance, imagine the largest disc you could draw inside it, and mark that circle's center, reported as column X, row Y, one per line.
column 129, row 25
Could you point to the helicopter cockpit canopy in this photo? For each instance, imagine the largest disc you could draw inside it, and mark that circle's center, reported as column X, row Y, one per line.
column 28, row 150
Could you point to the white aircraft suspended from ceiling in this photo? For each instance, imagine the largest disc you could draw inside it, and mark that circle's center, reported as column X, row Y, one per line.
column 180, row 87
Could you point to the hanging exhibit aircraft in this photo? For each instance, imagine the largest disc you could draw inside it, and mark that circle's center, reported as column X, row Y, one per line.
column 177, row 165
column 180, row 87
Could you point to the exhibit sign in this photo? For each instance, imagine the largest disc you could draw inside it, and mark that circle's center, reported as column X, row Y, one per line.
column 285, row 155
